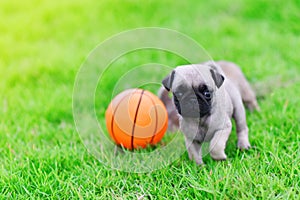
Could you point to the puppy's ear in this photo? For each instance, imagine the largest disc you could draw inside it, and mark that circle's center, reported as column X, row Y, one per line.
column 217, row 77
column 168, row 81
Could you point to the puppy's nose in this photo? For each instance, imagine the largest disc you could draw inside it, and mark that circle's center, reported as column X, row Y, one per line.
column 194, row 101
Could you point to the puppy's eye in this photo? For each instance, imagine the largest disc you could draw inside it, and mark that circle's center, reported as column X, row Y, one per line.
column 178, row 94
column 207, row 94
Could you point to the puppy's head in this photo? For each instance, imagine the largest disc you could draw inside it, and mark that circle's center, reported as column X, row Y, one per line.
column 193, row 88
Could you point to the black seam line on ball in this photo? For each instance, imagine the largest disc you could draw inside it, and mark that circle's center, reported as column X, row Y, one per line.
column 156, row 119
column 135, row 117
column 113, row 118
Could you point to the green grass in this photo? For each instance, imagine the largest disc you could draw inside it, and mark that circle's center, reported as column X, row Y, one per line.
column 42, row 45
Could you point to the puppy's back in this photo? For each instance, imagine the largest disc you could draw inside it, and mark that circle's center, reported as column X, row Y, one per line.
column 234, row 73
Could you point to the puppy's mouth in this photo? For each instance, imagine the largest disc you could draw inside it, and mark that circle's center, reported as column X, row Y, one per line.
column 193, row 107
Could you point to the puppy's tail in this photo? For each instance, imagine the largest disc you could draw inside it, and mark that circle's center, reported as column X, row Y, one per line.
column 173, row 116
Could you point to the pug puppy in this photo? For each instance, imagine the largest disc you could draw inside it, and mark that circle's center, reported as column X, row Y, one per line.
column 205, row 98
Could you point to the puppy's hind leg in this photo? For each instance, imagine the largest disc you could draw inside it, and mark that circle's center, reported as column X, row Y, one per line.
column 248, row 95
column 239, row 116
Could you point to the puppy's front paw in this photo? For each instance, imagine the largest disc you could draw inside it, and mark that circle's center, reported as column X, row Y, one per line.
column 197, row 159
column 199, row 162
column 243, row 145
column 218, row 155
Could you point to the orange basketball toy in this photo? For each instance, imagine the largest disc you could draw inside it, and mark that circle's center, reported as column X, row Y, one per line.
column 136, row 118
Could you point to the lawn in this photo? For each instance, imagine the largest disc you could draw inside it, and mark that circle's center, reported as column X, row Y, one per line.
column 44, row 43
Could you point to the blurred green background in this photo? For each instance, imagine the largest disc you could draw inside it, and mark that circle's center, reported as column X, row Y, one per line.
column 43, row 44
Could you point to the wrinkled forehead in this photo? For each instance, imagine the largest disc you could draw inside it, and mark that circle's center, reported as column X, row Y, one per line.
column 192, row 75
